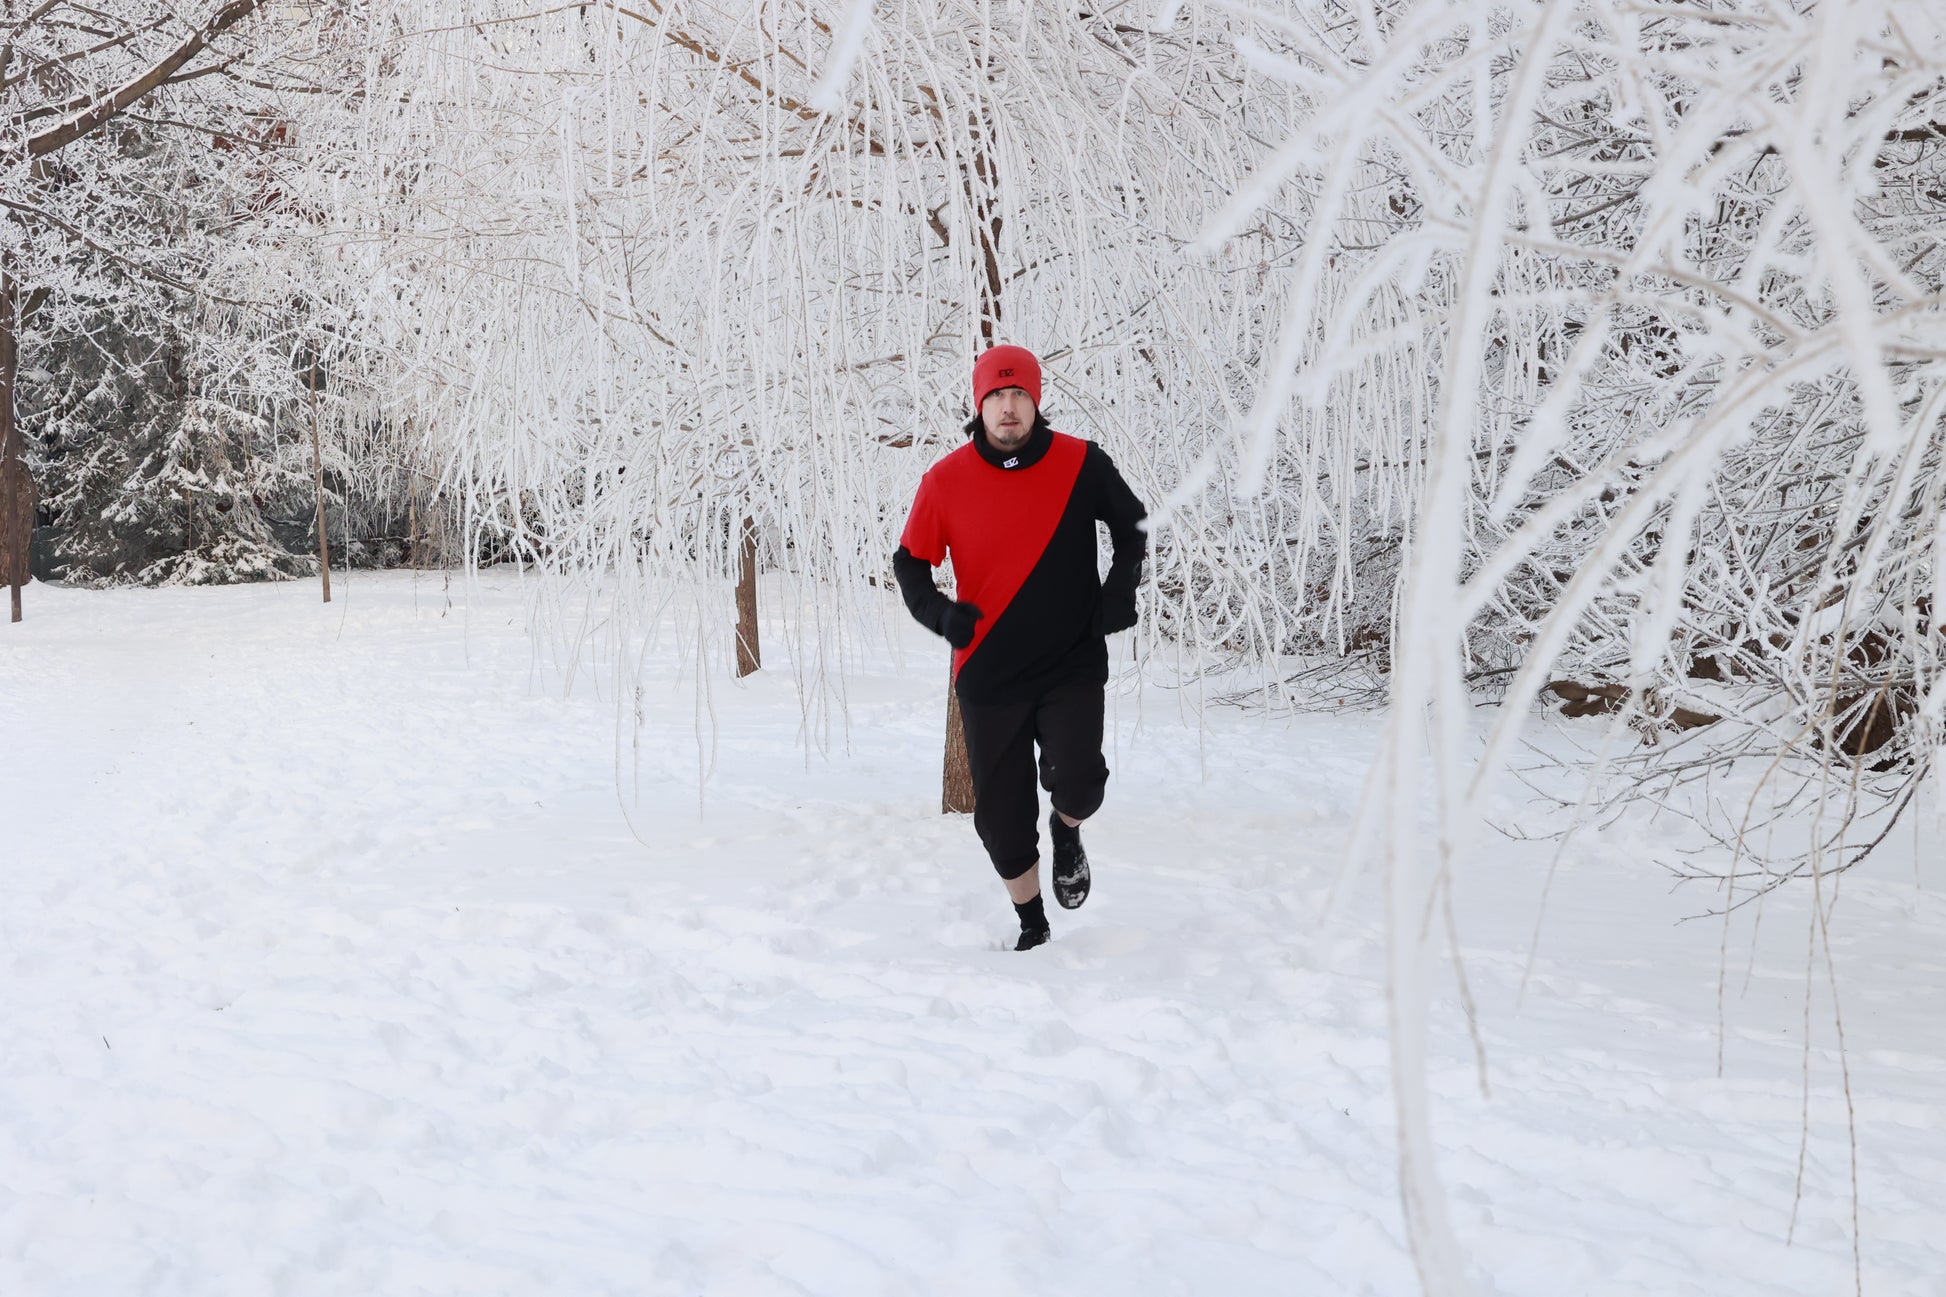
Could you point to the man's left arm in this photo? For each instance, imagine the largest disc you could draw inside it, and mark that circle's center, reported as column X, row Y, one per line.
column 1123, row 512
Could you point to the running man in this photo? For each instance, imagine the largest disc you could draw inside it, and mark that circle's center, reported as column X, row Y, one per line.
column 1015, row 509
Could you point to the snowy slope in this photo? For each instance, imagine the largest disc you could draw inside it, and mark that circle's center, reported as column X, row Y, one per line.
column 331, row 965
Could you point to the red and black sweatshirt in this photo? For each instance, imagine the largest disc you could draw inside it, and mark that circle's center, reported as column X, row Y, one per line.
column 1020, row 528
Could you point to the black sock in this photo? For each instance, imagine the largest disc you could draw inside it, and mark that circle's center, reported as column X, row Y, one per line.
column 1032, row 914
column 1061, row 829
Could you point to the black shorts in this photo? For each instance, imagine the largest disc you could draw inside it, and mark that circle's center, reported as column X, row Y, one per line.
column 1000, row 738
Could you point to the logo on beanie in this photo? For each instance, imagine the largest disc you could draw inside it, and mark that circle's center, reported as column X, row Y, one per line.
column 1006, row 366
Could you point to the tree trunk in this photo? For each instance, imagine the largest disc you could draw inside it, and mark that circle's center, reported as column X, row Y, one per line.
column 983, row 187
column 16, row 489
column 982, row 181
column 317, row 480
column 956, row 790
column 749, row 653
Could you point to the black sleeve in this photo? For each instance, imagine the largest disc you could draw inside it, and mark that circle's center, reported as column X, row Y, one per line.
column 922, row 598
column 1118, row 507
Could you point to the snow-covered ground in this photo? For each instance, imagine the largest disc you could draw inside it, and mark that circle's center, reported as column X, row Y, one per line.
column 330, row 964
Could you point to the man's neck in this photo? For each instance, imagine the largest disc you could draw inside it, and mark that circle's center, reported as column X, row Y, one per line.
column 1026, row 455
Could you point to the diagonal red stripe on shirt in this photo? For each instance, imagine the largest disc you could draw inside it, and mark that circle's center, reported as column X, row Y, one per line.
column 995, row 523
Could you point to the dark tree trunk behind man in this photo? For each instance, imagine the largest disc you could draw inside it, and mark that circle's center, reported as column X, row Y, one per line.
column 956, row 789
column 980, row 175
column 749, row 652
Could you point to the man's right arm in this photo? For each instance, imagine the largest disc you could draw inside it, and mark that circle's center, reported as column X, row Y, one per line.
column 1123, row 512
column 927, row 605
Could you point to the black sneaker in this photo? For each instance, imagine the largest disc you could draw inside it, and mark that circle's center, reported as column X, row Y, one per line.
column 1070, row 863
column 1031, row 937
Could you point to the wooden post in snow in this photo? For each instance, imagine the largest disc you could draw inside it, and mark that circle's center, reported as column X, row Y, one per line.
column 749, row 651
column 17, row 502
column 956, row 787
column 17, row 494
column 317, row 480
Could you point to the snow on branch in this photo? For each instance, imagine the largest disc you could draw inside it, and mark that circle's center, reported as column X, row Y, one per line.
column 1675, row 445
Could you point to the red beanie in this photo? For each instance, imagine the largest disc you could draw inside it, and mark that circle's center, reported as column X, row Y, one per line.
column 1006, row 367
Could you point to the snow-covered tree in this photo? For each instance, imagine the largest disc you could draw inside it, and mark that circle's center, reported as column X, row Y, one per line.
column 640, row 286
column 74, row 149
column 1674, row 274
column 1583, row 346
column 641, row 274
column 168, row 298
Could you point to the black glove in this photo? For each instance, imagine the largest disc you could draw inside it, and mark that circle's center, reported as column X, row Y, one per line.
column 955, row 622
column 1114, row 613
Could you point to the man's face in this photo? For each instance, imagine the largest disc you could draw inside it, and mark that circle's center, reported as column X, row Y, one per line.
column 1008, row 416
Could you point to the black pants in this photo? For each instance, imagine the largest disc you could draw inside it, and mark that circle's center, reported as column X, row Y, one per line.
column 1000, row 739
